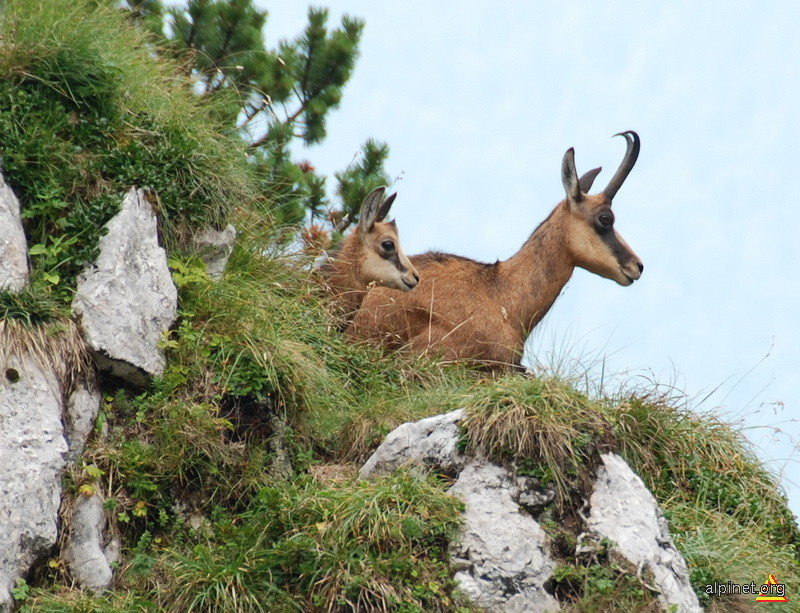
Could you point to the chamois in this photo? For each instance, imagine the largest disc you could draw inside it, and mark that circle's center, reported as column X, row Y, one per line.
column 482, row 313
column 370, row 255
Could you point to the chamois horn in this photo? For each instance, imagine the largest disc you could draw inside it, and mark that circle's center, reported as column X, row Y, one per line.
column 626, row 166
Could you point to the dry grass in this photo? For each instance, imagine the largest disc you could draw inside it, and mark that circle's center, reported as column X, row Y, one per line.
column 56, row 346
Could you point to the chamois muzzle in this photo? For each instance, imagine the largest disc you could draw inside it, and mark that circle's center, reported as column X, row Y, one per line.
column 626, row 166
column 410, row 280
column 632, row 271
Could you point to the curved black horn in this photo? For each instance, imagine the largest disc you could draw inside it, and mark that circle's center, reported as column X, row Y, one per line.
column 627, row 164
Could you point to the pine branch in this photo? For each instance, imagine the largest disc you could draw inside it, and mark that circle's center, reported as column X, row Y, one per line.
column 253, row 110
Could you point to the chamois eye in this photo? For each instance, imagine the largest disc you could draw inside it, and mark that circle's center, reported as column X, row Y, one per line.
column 387, row 245
column 606, row 220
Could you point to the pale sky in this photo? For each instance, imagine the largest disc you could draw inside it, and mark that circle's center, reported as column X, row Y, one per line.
column 479, row 101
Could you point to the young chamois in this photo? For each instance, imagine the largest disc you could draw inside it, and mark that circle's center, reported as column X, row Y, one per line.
column 370, row 255
column 467, row 310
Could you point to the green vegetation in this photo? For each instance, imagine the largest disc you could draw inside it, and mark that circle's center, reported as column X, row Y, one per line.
column 230, row 479
column 712, row 488
column 87, row 113
column 301, row 546
column 552, row 431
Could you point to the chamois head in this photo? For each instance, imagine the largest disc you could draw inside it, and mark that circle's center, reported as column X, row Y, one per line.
column 592, row 240
column 381, row 259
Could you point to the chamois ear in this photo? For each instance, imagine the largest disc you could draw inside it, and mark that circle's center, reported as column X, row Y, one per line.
column 569, row 177
column 588, row 178
column 383, row 209
column 369, row 210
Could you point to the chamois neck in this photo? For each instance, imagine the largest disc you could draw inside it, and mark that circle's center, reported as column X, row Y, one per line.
column 533, row 278
column 343, row 275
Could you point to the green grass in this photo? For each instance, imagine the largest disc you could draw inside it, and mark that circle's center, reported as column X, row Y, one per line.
column 715, row 493
column 260, row 343
column 305, row 547
column 263, row 336
column 719, row 548
column 690, row 457
column 544, row 426
column 607, row 582
column 261, row 339
column 31, row 306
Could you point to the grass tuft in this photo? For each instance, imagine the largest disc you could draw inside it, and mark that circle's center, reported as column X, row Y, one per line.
column 719, row 548
column 542, row 425
column 688, row 457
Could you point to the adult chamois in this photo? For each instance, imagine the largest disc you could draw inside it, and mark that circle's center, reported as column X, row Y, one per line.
column 369, row 256
column 468, row 310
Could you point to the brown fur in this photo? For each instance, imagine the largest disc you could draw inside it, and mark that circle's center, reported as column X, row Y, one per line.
column 467, row 310
column 362, row 261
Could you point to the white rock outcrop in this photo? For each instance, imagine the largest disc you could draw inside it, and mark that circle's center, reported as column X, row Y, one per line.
column 13, row 246
column 80, row 415
column 124, row 303
column 625, row 512
column 127, row 300
column 429, row 442
column 32, row 459
column 502, row 557
column 35, row 452
column 503, row 560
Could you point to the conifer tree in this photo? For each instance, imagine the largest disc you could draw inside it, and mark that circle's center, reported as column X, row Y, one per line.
column 274, row 97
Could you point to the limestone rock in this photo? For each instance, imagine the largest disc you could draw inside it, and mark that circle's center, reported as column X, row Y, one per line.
column 624, row 511
column 83, row 406
column 215, row 247
column 503, row 553
column 87, row 553
column 13, row 246
column 32, row 457
column 127, row 300
column 428, row 442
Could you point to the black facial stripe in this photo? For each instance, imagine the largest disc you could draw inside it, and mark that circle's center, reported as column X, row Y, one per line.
column 394, row 258
column 610, row 239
